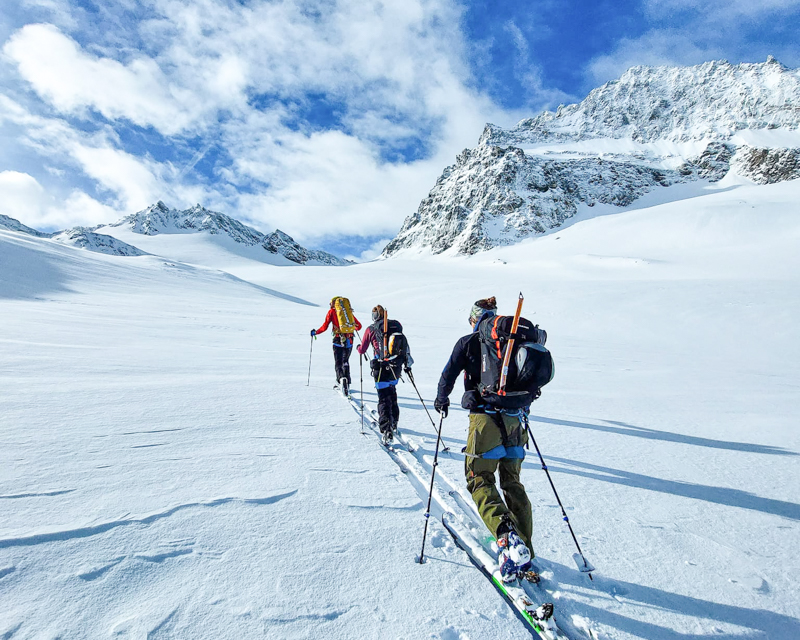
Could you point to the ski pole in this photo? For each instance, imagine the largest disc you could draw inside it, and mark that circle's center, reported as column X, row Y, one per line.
column 421, row 558
column 586, row 568
column 411, row 377
column 310, row 351
column 361, row 372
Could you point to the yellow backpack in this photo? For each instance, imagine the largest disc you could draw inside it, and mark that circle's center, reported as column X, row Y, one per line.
column 344, row 314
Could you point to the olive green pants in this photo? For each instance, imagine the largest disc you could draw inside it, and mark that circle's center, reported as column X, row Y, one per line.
column 485, row 438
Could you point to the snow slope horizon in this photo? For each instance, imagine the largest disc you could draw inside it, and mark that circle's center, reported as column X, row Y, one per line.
column 669, row 430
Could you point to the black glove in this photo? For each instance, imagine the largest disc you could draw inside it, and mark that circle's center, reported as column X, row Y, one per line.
column 313, row 332
column 408, row 372
column 441, row 406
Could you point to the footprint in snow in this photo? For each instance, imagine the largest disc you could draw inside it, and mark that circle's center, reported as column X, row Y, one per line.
column 439, row 540
column 450, row 633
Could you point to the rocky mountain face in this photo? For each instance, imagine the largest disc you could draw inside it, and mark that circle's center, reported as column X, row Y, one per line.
column 283, row 244
column 766, row 166
column 159, row 218
column 652, row 128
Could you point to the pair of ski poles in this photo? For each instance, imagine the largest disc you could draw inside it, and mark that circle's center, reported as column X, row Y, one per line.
column 583, row 565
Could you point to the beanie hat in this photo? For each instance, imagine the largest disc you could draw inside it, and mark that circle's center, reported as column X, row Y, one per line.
column 481, row 307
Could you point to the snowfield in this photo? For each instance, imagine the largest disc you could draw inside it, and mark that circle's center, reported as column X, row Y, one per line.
column 166, row 472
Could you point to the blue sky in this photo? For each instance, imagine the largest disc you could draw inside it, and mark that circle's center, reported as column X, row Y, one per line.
column 328, row 120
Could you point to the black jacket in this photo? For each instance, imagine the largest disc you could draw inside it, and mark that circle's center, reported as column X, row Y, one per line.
column 466, row 357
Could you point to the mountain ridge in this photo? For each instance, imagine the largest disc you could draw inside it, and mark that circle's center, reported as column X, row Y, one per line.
column 159, row 219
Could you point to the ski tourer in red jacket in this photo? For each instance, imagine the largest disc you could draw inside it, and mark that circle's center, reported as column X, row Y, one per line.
column 342, row 347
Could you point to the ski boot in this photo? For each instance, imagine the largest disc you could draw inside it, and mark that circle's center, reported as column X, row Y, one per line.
column 344, row 385
column 515, row 557
column 387, row 437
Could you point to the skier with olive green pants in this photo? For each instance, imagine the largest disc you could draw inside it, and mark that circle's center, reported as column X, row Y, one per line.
column 495, row 443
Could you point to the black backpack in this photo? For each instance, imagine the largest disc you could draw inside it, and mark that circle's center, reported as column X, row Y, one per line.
column 390, row 365
column 530, row 367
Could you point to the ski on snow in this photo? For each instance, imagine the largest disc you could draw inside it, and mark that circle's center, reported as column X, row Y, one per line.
column 536, row 616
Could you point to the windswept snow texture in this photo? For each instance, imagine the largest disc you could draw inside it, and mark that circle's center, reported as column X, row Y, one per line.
column 206, row 237
column 166, row 471
column 652, row 128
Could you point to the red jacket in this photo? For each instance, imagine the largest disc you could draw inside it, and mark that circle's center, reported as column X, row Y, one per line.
column 332, row 319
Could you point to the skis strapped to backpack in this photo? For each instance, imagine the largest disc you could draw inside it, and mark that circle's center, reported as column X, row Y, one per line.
column 515, row 364
column 344, row 314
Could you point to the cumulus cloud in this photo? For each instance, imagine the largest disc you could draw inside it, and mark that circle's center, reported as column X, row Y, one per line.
column 22, row 194
column 73, row 80
column 29, row 202
column 131, row 181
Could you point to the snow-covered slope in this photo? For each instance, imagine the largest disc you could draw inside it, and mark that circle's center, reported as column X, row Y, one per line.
column 206, row 237
column 653, row 127
column 165, row 470
column 84, row 238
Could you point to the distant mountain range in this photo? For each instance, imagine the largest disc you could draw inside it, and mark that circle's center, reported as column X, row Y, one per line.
column 159, row 219
column 652, row 128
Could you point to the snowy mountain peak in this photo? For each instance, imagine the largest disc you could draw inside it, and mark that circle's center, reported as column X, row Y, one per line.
column 713, row 100
column 651, row 128
column 160, row 219
column 284, row 244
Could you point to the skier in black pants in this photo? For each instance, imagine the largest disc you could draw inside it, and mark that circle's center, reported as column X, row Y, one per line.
column 386, row 373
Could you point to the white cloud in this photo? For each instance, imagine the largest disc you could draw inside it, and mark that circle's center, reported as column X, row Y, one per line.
column 27, row 201
column 370, row 253
column 123, row 174
column 57, row 10
column 133, row 182
column 330, row 183
column 73, row 80
column 23, row 197
column 655, row 48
